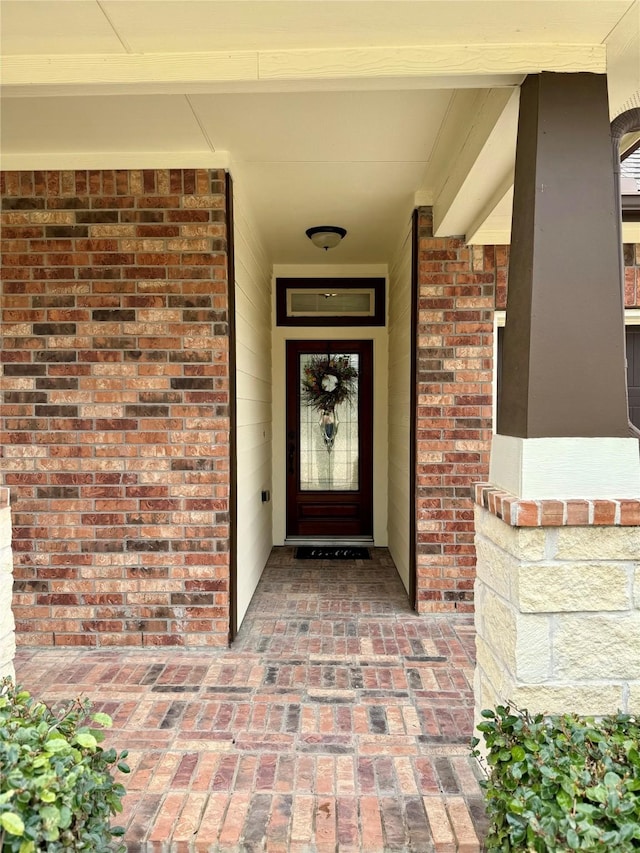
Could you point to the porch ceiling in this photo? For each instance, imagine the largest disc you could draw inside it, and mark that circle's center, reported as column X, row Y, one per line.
column 330, row 112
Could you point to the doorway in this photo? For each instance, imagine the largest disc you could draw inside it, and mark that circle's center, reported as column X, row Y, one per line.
column 329, row 439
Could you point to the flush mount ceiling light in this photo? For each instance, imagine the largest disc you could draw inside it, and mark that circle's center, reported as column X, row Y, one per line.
column 326, row 236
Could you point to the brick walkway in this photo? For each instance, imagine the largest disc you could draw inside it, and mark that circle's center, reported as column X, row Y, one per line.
column 338, row 721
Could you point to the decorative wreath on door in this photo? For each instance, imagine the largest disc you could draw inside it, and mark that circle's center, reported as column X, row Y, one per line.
column 328, row 381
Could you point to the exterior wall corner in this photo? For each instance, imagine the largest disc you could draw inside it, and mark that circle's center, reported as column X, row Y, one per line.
column 7, row 622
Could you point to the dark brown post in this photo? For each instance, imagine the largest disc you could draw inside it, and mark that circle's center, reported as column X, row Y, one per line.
column 564, row 358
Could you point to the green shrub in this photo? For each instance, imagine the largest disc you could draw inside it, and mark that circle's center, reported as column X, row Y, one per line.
column 56, row 789
column 561, row 783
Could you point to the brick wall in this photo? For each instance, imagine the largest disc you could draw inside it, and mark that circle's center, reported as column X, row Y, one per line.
column 631, row 282
column 115, row 424
column 632, row 275
column 454, row 373
column 459, row 287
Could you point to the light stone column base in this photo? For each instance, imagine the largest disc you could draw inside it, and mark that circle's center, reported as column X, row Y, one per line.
column 557, row 604
column 7, row 623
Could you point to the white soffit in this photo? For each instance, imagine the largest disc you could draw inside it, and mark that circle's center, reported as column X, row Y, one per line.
column 34, row 27
column 345, row 194
column 249, row 25
column 168, row 26
column 623, row 62
column 396, row 126
column 85, row 124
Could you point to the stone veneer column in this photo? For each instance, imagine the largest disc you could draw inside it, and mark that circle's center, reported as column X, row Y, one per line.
column 7, row 623
column 558, row 529
column 558, row 603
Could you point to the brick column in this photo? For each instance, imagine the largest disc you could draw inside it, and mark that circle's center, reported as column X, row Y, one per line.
column 7, row 624
column 453, row 430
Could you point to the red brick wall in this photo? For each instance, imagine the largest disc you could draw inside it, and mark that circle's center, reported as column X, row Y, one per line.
column 459, row 287
column 502, row 271
column 454, row 370
column 632, row 275
column 631, row 282
column 115, row 424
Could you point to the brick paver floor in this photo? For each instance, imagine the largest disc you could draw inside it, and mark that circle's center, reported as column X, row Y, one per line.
column 339, row 720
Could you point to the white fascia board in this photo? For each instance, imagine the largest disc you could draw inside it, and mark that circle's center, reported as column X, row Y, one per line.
column 495, row 230
column 86, row 72
column 631, row 232
column 235, row 87
column 116, row 160
column 418, row 60
column 423, row 198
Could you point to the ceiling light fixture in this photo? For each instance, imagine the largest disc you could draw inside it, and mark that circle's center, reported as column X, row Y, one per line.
column 326, row 236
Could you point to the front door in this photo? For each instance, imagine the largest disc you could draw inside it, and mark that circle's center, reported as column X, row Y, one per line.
column 330, row 439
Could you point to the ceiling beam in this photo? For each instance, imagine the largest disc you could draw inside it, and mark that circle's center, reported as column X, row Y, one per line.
column 462, row 59
column 72, row 74
column 478, row 171
column 495, row 216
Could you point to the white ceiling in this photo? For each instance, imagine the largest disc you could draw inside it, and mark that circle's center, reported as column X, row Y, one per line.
column 149, row 26
column 340, row 112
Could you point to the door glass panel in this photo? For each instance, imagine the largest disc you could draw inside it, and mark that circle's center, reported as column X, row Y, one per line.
column 322, row 303
column 329, row 459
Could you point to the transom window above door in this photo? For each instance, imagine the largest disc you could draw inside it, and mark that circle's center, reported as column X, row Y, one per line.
column 330, row 301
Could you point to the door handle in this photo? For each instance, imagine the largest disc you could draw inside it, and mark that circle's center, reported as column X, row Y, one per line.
column 291, row 455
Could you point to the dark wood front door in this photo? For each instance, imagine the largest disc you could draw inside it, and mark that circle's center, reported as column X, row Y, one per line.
column 330, row 439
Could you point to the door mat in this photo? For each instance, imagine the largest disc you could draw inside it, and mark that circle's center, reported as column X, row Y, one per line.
column 331, row 552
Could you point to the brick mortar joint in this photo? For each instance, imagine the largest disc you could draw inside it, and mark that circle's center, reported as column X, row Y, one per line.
column 570, row 512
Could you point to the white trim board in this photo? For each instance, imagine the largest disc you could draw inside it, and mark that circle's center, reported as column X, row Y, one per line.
column 565, row 468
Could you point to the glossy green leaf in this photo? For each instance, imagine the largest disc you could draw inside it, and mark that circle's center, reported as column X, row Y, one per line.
column 47, row 796
column 86, row 740
column 56, row 743
column 12, row 823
